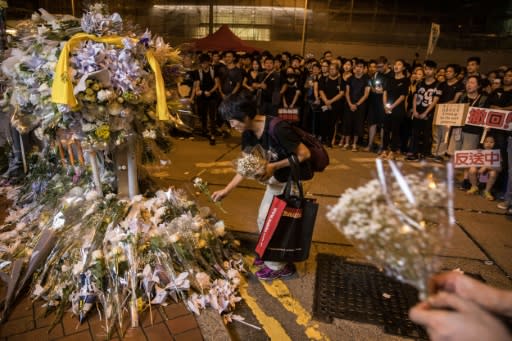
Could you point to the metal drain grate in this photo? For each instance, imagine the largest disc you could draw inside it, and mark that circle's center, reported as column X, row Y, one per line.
column 353, row 291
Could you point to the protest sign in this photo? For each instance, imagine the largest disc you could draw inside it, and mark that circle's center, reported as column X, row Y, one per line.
column 477, row 158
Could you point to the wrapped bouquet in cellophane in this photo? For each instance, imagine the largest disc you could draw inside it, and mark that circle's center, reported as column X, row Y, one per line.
column 400, row 221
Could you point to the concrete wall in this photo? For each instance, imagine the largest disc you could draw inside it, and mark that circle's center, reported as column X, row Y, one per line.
column 490, row 59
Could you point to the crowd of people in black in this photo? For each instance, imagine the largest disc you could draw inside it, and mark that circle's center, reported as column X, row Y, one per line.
column 374, row 105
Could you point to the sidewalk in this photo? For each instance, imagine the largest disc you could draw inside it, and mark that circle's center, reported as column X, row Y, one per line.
column 27, row 322
column 481, row 244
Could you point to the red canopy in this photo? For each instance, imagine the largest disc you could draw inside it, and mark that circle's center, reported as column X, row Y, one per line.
column 223, row 39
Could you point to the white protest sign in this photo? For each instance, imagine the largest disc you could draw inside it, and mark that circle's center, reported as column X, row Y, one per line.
column 477, row 158
column 451, row 114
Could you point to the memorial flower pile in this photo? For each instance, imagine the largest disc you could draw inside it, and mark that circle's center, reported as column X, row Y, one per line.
column 92, row 78
column 76, row 244
column 30, row 68
column 101, row 254
column 399, row 222
column 113, row 80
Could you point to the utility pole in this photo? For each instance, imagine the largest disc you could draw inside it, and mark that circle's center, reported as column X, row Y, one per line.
column 304, row 26
column 210, row 21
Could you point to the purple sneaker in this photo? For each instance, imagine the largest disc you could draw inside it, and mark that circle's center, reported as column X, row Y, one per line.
column 258, row 261
column 268, row 274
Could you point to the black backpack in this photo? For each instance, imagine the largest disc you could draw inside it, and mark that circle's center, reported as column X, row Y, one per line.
column 319, row 158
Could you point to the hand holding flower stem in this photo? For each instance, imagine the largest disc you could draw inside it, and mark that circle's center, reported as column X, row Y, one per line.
column 202, row 186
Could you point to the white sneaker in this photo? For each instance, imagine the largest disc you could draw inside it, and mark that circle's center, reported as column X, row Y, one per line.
column 503, row 205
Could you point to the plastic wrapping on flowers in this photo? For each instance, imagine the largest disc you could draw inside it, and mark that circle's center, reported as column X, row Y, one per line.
column 252, row 162
column 114, row 82
column 400, row 222
column 88, row 253
column 76, row 248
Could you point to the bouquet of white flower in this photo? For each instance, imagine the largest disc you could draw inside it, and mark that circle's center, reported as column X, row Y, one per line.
column 252, row 162
column 400, row 222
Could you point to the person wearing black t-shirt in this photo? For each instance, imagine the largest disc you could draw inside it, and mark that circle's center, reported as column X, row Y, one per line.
column 394, row 104
column 186, row 85
column 451, row 90
column 376, row 113
column 502, row 100
column 269, row 82
column 332, row 90
column 250, row 81
column 240, row 111
column 206, row 85
column 423, row 104
column 357, row 92
column 312, row 100
column 291, row 90
column 230, row 76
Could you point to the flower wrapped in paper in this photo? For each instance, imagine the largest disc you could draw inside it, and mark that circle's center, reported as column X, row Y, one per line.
column 252, row 162
column 400, row 222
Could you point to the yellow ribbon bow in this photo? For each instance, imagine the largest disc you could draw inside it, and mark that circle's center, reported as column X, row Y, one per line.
column 62, row 87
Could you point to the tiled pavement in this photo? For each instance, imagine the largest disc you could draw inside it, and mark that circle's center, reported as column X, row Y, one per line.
column 28, row 323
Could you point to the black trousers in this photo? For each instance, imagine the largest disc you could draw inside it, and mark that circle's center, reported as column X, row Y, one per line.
column 421, row 139
column 392, row 125
column 207, row 110
column 327, row 124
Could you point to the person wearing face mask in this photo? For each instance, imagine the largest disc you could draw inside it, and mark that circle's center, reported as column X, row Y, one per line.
column 290, row 90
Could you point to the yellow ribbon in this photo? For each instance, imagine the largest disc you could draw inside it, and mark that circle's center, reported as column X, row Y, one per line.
column 62, row 87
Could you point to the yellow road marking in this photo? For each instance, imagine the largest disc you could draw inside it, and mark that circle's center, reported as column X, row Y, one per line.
column 363, row 159
column 280, row 291
column 272, row 327
column 214, row 164
column 222, row 170
column 338, row 166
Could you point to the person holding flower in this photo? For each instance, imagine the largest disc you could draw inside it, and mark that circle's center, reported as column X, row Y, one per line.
column 462, row 308
column 240, row 111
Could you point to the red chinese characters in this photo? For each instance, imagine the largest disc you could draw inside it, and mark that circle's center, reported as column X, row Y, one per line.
column 508, row 121
column 477, row 158
column 462, row 159
column 493, row 157
column 490, row 118
column 495, row 119
column 476, row 116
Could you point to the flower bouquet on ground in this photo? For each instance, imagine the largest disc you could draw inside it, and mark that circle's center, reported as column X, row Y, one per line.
column 252, row 162
column 400, row 222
